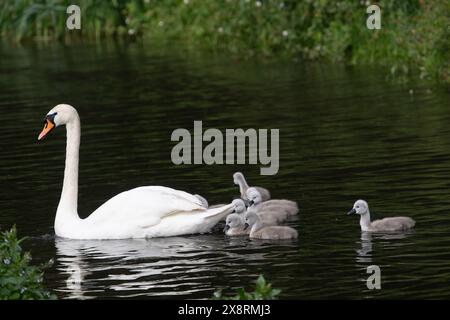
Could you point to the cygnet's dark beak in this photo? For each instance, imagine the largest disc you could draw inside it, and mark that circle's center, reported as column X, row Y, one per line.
column 225, row 229
column 246, row 226
column 353, row 211
column 250, row 203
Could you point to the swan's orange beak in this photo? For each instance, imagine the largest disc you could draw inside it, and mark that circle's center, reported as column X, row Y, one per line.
column 48, row 126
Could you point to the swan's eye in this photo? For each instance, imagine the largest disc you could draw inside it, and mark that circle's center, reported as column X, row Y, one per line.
column 50, row 117
column 357, row 207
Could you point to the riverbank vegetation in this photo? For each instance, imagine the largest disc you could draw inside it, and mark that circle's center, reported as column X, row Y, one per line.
column 413, row 39
column 261, row 291
column 18, row 279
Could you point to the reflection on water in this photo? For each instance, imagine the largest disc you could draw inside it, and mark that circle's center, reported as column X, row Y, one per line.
column 175, row 266
column 345, row 134
column 364, row 253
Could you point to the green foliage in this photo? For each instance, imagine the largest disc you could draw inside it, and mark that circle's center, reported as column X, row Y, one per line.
column 262, row 291
column 19, row 280
column 414, row 37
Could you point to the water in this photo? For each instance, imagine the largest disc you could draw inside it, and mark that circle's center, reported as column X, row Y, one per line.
column 345, row 134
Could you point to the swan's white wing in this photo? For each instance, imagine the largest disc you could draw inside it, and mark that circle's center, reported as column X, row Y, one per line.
column 144, row 206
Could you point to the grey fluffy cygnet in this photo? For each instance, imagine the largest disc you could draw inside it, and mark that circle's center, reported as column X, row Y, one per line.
column 286, row 207
column 235, row 225
column 268, row 218
column 239, row 180
column 383, row 225
column 239, row 206
column 260, row 231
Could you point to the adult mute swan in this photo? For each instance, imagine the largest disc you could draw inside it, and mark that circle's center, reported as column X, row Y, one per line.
column 143, row 212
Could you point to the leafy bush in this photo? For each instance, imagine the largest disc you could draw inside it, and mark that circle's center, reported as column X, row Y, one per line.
column 19, row 280
column 262, row 291
column 413, row 37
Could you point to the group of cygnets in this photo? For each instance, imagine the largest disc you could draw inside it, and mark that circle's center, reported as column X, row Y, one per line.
column 258, row 216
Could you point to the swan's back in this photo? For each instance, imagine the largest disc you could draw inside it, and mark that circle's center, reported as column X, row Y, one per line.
column 393, row 224
column 273, row 217
column 265, row 194
column 145, row 202
column 202, row 200
column 151, row 212
column 274, row 233
column 287, row 206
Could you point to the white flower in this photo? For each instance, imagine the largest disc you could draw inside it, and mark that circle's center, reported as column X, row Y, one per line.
column 220, row 30
column 130, row 32
column 186, row 1
column 161, row 23
column 258, row 4
column 281, row 5
column 6, row 261
column 285, row 33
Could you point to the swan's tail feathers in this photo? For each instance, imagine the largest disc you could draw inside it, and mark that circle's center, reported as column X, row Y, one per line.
column 219, row 212
column 216, row 205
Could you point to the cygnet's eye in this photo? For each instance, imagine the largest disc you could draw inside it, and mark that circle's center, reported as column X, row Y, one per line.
column 357, row 207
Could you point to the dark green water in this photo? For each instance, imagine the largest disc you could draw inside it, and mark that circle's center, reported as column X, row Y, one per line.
column 345, row 134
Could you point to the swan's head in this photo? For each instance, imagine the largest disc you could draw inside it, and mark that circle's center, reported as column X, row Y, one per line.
column 59, row 115
column 233, row 221
column 237, row 177
column 253, row 196
column 360, row 207
column 239, row 206
column 250, row 219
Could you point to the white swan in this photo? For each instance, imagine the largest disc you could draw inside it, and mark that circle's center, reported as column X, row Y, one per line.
column 202, row 200
column 142, row 212
column 391, row 224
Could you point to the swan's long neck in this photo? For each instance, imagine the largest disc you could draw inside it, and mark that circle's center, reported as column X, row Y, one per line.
column 67, row 208
column 243, row 186
column 364, row 221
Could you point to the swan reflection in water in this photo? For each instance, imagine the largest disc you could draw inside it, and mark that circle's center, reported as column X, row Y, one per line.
column 146, row 267
column 364, row 254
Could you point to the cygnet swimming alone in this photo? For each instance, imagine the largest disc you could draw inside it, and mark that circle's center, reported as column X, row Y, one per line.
column 383, row 225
